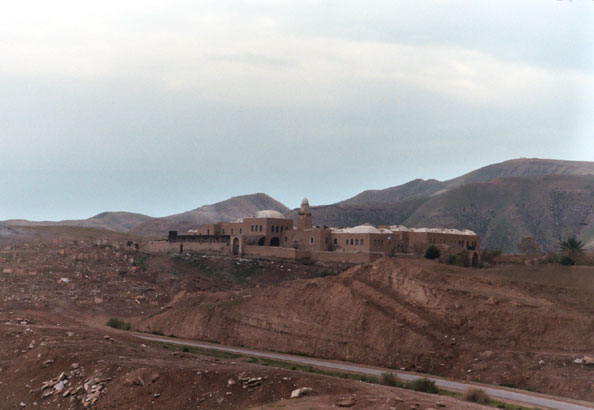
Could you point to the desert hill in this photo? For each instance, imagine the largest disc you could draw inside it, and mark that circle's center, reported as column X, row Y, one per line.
column 413, row 314
column 228, row 210
column 113, row 221
column 522, row 167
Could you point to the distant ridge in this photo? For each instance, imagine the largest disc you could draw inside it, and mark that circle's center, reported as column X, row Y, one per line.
column 549, row 200
column 504, row 202
column 230, row 209
column 521, row 167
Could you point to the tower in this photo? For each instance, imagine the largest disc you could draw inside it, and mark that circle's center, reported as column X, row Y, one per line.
column 304, row 220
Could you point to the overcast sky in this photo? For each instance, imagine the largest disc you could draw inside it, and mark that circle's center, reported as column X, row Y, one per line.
column 162, row 106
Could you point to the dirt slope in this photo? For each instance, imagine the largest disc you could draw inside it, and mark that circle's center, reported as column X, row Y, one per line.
column 412, row 314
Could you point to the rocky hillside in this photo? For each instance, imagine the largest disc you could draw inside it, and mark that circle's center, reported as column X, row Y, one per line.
column 413, row 314
column 522, row 167
column 229, row 210
column 546, row 199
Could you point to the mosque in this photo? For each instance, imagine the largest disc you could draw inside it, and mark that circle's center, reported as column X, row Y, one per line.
column 270, row 234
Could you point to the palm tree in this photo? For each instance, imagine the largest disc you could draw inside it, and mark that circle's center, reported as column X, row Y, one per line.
column 572, row 245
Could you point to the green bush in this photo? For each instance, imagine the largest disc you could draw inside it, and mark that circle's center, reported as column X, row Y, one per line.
column 452, row 260
column 118, row 324
column 432, row 252
column 567, row 261
column 424, row 385
column 477, row 396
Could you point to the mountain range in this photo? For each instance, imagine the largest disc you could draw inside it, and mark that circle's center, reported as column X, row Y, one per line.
column 504, row 202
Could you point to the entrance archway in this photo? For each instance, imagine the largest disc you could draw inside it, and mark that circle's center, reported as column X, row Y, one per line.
column 236, row 246
column 262, row 241
column 275, row 241
column 474, row 260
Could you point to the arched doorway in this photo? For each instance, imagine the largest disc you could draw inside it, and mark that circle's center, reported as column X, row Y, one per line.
column 474, row 260
column 275, row 241
column 262, row 241
column 236, row 246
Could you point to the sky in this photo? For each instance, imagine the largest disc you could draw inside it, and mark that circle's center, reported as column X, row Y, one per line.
column 159, row 107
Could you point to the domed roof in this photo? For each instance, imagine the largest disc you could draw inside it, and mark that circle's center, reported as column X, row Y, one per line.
column 269, row 213
column 366, row 228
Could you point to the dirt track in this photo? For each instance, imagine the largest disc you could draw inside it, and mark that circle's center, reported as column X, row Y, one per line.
column 494, row 327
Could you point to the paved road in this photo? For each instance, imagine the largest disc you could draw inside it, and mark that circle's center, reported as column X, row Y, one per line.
column 495, row 392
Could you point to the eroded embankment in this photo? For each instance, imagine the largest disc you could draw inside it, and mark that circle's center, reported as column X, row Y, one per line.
column 407, row 314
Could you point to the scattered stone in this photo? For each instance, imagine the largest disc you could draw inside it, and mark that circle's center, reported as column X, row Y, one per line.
column 231, row 382
column 440, row 404
column 492, row 301
column 48, row 363
column 154, row 377
column 346, row 401
column 585, row 360
column 157, row 395
column 302, row 391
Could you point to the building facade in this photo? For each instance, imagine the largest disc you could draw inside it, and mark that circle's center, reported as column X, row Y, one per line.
column 270, row 234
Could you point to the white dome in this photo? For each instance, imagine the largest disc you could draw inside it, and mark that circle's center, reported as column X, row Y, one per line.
column 269, row 213
column 363, row 229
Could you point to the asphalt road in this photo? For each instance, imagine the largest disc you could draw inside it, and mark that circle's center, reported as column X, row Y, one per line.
column 527, row 398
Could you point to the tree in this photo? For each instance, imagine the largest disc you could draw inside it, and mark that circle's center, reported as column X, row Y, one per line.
column 572, row 246
column 572, row 249
column 528, row 246
column 432, row 252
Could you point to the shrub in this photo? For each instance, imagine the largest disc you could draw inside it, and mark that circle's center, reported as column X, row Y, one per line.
column 452, row 260
column 389, row 379
column 567, row 261
column 476, row 396
column 432, row 252
column 118, row 324
column 424, row 385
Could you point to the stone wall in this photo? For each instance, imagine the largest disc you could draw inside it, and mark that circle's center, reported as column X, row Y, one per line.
column 164, row 246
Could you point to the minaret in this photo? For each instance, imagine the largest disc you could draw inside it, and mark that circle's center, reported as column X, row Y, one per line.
column 304, row 217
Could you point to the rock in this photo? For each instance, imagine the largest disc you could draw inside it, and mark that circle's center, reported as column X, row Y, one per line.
column 60, row 386
column 440, row 404
column 231, row 382
column 346, row 401
column 154, row 377
column 585, row 360
column 47, row 363
column 492, row 301
column 7, row 270
column 138, row 381
column 302, row 391
column 157, row 395
column 541, row 362
column 74, row 366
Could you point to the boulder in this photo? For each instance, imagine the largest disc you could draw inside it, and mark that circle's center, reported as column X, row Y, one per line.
column 302, row 391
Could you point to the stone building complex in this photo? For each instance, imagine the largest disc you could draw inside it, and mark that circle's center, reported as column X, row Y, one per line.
column 271, row 234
